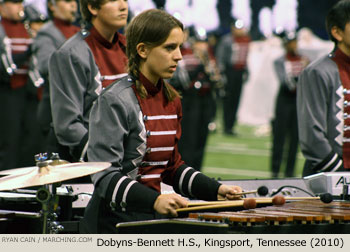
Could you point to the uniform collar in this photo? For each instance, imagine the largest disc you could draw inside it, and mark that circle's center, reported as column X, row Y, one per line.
column 60, row 22
column 292, row 56
column 6, row 20
column 94, row 32
column 150, row 87
column 341, row 56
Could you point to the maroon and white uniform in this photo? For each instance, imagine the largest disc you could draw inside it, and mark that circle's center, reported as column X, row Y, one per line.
column 14, row 59
column 78, row 71
column 139, row 137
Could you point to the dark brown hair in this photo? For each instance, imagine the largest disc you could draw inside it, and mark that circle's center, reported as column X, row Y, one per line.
column 338, row 16
column 151, row 27
column 96, row 4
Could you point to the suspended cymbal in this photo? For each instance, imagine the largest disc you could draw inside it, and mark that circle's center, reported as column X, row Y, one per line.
column 18, row 171
column 35, row 176
column 23, row 170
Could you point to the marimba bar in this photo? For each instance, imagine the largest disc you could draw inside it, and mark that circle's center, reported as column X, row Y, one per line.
column 298, row 215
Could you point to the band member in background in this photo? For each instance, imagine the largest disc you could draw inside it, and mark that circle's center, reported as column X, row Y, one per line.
column 49, row 39
column 323, row 98
column 33, row 20
column 285, row 124
column 15, row 53
column 135, row 125
column 232, row 53
column 80, row 68
column 32, row 140
column 198, row 100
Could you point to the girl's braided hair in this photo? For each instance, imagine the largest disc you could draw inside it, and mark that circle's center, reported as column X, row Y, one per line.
column 151, row 27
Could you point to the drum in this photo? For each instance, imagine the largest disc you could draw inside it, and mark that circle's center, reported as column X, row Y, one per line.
column 19, row 213
column 19, row 201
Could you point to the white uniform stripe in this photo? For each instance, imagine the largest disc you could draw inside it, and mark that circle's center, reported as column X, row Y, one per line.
column 126, row 193
column 330, row 162
column 8, row 55
column 190, row 182
column 150, row 176
column 162, row 117
column 162, row 133
column 162, row 149
column 182, row 179
column 337, row 166
column 113, row 77
column 117, row 187
column 4, row 61
column 19, row 48
column 21, row 40
column 21, row 71
column 157, row 163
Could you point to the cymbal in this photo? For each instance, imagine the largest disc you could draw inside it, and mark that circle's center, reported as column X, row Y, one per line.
column 23, row 170
column 18, row 171
column 36, row 176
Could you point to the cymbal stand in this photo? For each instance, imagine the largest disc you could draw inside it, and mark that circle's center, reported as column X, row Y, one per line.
column 43, row 196
column 48, row 199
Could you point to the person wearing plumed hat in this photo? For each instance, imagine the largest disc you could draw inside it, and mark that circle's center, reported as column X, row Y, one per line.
column 33, row 20
column 284, row 125
column 15, row 53
column 198, row 99
column 232, row 54
column 52, row 35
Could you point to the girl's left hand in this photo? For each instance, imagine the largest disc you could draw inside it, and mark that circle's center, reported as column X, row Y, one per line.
column 228, row 192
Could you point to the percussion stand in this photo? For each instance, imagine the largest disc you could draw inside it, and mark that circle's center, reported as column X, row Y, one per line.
column 48, row 201
column 46, row 175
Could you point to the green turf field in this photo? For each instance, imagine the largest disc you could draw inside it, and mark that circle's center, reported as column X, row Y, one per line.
column 246, row 156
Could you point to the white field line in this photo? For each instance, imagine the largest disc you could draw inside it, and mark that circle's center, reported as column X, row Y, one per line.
column 241, row 149
column 238, row 150
column 236, row 172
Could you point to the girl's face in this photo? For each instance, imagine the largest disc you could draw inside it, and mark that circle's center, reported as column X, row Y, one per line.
column 112, row 15
column 161, row 61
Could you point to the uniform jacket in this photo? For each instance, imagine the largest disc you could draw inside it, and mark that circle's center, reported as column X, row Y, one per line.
column 320, row 114
column 48, row 39
column 120, row 133
column 74, row 85
column 76, row 81
column 229, row 53
column 288, row 72
column 14, row 54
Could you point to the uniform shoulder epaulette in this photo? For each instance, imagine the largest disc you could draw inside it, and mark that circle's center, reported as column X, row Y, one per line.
column 331, row 55
column 122, row 83
column 85, row 32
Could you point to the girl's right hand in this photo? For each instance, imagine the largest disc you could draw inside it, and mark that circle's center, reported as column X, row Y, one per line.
column 167, row 204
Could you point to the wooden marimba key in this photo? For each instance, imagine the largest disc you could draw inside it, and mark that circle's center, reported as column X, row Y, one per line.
column 295, row 212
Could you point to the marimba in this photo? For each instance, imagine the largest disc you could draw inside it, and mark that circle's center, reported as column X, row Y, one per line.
column 299, row 216
column 303, row 216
